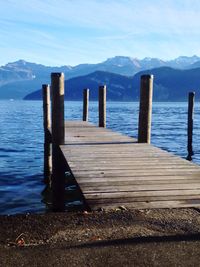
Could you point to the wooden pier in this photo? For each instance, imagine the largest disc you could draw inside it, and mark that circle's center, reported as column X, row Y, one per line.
column 115, row 170
column 112, row 169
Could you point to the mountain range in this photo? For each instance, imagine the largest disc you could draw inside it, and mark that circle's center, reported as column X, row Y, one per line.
column 20, row 78
column 169, row 85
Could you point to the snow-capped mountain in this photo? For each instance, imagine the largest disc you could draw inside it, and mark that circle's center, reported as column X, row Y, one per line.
column 21, row 77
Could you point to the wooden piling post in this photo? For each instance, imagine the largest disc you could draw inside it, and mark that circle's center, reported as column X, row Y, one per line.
column 46, row 111
column 47, row 162
column 58, row 136
column 47, row 135
column 57, row 91
column 145, row 110
column 85, row 104
column 191, row 97
column 102, row 106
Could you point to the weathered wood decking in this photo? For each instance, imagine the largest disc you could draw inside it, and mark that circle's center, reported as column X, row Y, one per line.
column 113, row 170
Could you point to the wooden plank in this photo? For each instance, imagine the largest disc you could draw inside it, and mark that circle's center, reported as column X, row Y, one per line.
column 137, row 194
column 130, row 183
column 109, row 151
column 129, row 166
column 145, row 156
column 106, row 156
column 125, row 188
column 122, row 179
column 135, row 173
column 139, row 164
column 124, row 146
column 146, row 160
column 143, row 199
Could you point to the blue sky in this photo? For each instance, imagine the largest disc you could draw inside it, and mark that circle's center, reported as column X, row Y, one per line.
column 70, row 32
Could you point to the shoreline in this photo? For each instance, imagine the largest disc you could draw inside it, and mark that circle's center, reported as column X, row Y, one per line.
column 101, row 234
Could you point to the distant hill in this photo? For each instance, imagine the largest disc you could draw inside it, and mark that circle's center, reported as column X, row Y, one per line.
column 118, row 87
column 19, row 78
column 173, row 84
column 169, row 85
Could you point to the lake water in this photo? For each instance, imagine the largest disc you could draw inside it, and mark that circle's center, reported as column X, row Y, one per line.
column 21, row 146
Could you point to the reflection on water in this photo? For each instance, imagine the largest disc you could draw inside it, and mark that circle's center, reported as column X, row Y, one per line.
column 22, row 187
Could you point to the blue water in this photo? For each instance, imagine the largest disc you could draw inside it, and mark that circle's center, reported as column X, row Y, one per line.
column 21, row 146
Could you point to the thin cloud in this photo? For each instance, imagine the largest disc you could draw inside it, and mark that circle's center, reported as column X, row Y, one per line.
column 92, row 30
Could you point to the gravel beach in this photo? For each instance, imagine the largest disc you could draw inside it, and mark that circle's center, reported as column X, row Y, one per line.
column 159, row 237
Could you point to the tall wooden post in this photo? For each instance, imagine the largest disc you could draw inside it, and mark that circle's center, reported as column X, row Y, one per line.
column 85, row 104
column 46, row 111
column 102, row 106
column 47, row 135
column 58, row 136
column 145, row 111
column 191, row 97
column 57, row 87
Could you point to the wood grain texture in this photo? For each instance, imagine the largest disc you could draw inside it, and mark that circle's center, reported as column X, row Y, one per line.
column 113, row 170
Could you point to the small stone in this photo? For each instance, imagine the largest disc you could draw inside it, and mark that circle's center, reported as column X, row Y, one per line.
column 122, row 208
column 100, row 209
